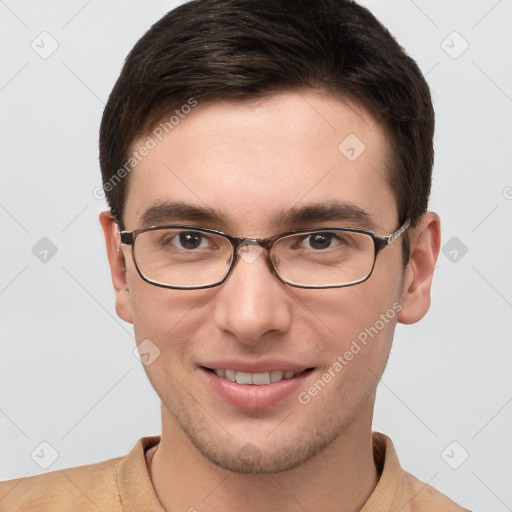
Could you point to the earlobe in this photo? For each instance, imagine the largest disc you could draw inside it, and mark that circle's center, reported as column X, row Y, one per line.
column 425, row 242
column 117, row 264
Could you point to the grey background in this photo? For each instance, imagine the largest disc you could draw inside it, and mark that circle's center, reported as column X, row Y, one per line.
column 68, row 376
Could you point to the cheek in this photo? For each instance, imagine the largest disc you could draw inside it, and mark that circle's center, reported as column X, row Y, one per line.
column 344, row 313
column 354, row 329
column 155, row 309
column 167, row 317
column 357, row 356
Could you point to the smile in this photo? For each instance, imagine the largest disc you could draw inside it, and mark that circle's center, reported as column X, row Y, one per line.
column 258, row 379
column 255, row 390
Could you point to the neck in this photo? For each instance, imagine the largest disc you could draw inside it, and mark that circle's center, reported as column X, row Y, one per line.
column 340, row 478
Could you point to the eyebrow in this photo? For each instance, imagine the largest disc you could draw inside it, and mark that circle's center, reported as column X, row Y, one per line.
column 169, row 211
column 344, row 212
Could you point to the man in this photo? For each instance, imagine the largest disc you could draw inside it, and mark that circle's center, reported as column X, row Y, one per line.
column 267, row 166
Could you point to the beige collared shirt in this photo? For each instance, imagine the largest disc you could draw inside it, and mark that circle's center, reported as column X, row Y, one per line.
column 123, row 485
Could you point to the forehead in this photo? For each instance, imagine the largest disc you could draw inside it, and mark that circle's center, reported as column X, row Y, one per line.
column 253, row 161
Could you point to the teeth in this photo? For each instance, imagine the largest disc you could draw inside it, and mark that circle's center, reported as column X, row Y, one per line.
column 261, row 378
column 243, row 378
column 257, row 379
column 276, row 376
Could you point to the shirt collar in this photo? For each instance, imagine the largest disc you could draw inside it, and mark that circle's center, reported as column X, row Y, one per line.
column 137, row 492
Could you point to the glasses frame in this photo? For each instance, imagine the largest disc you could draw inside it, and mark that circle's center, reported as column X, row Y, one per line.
column 379, row 243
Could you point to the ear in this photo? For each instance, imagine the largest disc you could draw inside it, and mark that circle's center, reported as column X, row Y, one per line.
column 117, row 266
column 425, row 242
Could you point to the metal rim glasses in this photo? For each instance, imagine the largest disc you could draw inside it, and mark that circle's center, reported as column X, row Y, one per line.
column 186, row 257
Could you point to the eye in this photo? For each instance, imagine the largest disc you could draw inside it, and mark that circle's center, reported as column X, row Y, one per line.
column 188, row 240
column 320, row 241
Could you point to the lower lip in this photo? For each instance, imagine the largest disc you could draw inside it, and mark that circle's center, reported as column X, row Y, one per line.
column 252, row 396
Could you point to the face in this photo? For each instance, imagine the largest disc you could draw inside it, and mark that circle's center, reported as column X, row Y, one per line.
column 251, row 162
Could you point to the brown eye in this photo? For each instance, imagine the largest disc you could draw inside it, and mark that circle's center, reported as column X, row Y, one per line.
column 190, row 240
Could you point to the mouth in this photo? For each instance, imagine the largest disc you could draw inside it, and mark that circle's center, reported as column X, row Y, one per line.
column 255, row 390
column 257, row 379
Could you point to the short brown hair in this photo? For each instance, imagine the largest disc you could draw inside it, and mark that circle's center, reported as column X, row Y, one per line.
column 237, row 49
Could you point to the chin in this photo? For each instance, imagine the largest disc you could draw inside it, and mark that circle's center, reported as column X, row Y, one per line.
column 273, row 453
column 249, row 459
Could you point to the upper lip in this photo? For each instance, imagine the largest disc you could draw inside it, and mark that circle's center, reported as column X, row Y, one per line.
column 256, row 366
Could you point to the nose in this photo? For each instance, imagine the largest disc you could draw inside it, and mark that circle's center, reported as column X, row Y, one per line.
column 253, row 303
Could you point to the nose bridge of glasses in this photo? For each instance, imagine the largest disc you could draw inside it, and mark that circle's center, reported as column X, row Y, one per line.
column 250, row 249
column 241, row 242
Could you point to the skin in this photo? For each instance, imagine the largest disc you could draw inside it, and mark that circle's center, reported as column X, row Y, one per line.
column 252, row 159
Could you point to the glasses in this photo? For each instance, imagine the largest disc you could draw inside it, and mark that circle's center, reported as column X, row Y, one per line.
column 189, row 257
